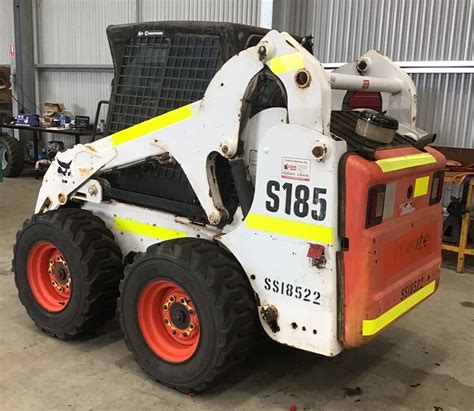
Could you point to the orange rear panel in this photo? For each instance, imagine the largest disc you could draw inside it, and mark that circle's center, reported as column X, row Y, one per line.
column 391, row 267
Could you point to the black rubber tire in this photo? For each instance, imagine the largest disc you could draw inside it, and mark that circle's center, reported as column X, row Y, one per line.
column 14, row 156
column 95, row 264
column 223, row 299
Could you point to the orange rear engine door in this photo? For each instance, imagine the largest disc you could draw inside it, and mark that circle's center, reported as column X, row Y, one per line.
column 391, row 221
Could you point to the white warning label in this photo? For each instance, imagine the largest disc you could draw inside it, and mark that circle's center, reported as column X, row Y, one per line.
column 295, row 168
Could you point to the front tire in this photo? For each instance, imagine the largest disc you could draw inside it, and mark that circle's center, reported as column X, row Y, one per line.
column 187, row 313
column 67, row 271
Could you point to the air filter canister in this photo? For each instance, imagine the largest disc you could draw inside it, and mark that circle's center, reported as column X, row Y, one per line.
column 376, row 126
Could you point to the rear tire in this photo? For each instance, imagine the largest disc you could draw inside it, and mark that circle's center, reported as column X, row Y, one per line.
column 187, row 312
column 67, row 270
column 12, row 159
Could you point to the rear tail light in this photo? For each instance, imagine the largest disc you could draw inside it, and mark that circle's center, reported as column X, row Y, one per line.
column 375, row 205
column 354, row 100
column 437, row 187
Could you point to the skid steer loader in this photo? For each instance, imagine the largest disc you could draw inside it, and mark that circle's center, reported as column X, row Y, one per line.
column 240, row 187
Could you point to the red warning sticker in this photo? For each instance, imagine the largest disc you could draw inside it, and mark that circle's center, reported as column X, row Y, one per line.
column 365, row 84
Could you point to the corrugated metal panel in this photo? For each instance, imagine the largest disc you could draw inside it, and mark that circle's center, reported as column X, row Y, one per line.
column 80, row 92
column 73, row 32
column 236, row 11
column 445, row 107
column 299, row 20
column 7, row 30
column 406, row 30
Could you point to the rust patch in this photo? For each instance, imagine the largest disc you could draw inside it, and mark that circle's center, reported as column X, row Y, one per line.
column 91, row 148
column 270, row 315
column 85, row 171
column 303, row 78
column 62, row 198
column 46, row 204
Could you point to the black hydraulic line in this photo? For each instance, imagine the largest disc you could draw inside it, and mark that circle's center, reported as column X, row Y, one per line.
column 243, row 184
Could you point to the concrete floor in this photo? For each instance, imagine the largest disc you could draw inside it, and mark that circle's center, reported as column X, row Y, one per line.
column 424, row 361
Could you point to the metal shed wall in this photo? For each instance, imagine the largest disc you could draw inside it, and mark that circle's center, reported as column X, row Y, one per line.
column 405, row 30
column 236, row 11
column 80, row 92
column 7, row 31
column 71, row 48
column 445, row 107
column 73, row 32
column 75, row 36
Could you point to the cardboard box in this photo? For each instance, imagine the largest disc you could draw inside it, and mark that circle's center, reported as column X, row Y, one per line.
column 52, row 110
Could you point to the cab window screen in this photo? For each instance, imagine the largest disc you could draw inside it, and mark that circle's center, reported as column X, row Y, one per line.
column 160, row 73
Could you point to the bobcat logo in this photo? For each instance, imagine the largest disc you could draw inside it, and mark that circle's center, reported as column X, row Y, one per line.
column 64, row 169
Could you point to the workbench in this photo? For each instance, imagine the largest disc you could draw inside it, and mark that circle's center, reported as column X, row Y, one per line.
column 37, row 131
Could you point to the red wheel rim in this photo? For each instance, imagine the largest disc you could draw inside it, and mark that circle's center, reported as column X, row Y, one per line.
column 168, row 321
column 49, row 276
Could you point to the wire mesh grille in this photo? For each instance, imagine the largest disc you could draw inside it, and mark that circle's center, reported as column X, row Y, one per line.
column 160, row 73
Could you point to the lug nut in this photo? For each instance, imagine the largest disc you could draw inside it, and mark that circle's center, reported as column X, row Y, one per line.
column 172, row 298
column 191, row 311
column 182, row 300
column 191, row 326
column 173, row 331
column 165, row 307
column 185, row 334
column 167, row 321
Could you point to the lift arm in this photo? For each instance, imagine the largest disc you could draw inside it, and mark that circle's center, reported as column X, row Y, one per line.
column 190, row 134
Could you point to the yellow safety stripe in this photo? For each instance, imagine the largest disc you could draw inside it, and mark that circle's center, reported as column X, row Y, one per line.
column 156, row 123
column 421, row 186
column 371, row 327
column 317, row 233
column 400, row 163
column 148, row 230
column 287, row 62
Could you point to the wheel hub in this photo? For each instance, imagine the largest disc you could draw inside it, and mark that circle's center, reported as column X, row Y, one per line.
column 49, row 276
column 168, row 320
column 180, row 316
column 59, row 274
